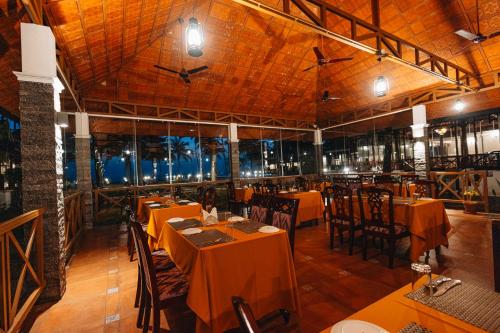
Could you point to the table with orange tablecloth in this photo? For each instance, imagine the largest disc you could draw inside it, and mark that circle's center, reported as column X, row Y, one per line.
column 311, row 205
column 258, row 267
column 157, row 217
column 395, row 311
column 426, row 219
column 243, row 194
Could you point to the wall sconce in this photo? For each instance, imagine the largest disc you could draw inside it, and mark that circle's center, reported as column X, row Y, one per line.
column 62, row 119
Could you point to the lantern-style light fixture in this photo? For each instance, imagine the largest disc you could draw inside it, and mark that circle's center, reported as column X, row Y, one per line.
column 194, row 38
column 381, row 84
column 459, row 105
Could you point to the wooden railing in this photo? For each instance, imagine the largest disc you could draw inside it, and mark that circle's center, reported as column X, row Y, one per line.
column 487, row 161
column 73, row 220
column 452, row 185
column 21, row 262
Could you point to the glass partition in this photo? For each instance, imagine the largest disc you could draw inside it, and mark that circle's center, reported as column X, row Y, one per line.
column 68, row 150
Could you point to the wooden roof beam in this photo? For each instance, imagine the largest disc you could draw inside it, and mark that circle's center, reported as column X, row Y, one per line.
column 453, row 74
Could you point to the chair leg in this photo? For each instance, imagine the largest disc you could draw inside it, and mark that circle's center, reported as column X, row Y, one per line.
column 352, row 234
column 156, row 318
column 392, row 250
column 138, row 290
column 142, row 307
column 365, row 246
column 332, row 231
column 147, row 313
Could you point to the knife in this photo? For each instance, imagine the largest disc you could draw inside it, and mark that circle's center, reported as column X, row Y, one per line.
column 444, row 290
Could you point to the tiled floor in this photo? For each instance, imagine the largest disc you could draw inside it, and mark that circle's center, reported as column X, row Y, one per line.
column 101, row 280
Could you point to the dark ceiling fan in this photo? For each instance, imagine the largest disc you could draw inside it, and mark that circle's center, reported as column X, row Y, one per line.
column 324, row 61
column 325, row 97
column 183, row 74
column 476, row 37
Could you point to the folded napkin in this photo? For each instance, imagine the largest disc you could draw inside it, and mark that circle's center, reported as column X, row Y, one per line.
column 210, row 218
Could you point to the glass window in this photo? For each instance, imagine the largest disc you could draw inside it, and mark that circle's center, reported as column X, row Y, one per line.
column 307, row 153
column 10, row 167
column 250, row 152
column 185, row 152
column 290, row 152
column 271, row 152
column 214, row 152
column 68, row 149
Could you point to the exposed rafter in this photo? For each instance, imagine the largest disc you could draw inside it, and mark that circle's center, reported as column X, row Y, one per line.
column 404, row 103
column 372, row 39
column 122, row 109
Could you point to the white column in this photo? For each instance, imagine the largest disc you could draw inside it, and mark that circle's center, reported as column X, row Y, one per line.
column 421, row 147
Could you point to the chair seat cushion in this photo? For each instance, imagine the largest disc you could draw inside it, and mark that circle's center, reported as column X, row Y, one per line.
column 162, row 261
column 398, row 229
column 357, row 221
column 171, row 284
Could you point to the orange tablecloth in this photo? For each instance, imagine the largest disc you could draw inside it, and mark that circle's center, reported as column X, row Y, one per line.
column 258, row 267
column 158, row 216
column 243, row 194
column 311, row 205
column 395, row 311
column 426, row 219
column 140, row 205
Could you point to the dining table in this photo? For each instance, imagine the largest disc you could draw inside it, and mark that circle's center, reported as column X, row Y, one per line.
column 156, row 216
column 256, row 266
column 243, row 194
column 425, row 218
column 311, row 205
column 395, row 311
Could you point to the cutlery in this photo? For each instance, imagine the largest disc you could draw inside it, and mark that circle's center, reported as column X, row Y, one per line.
column 213, row 242
column 438, row 282
column 444, row 290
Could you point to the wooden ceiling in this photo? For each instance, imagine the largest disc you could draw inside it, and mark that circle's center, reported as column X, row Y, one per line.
column 255, row 61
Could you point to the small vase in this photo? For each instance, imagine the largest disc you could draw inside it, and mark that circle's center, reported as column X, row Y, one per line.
column 470, row 207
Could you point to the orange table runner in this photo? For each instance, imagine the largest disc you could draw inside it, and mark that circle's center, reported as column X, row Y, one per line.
column 426, row 219
column 395, row 311
column 311, row 205
column 258, row 267
column 158, row 216
column 243, row 194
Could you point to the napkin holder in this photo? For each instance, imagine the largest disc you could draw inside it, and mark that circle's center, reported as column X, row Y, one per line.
column 210, row 218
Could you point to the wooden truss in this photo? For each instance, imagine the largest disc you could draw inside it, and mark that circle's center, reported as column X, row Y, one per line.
column 131, row 110
column 406, row 102
column 370, row 38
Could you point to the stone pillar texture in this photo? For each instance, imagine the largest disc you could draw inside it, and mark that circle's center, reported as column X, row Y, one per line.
column 42, row 177
column 83, row 176
column 235, row 162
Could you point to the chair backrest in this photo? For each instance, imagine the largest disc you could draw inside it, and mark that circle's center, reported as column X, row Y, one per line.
column 354, row 182
column 231, row 195
column 301, row 183
column 260, row 208
column 339, row 180
column 178, row 193
column 385, row 181
column 145, row 260
column 425, row 187
column 248, row 324
column 209, row 198
column 284, row 216
column 271, row 189
column 257, row 188
column 341, row 197
column 375, row 202
column 200, row 191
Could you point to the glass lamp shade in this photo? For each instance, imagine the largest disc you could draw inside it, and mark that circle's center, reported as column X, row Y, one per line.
column 381, row 86
column 194, row 38
column 459, row 105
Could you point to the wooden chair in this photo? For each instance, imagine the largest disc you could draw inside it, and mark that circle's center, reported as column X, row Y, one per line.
column 385, row 181
column 342, row 214
column 248, row 323
column 200, row 192
column 209, row 198
column 404, row 183
column 161, row 289
column 301, row 183
column 260, row 208
column 257, row 188
column 339, row 180
column 425, row 188
column 284, row 216
column 375, row 224
column 234, row 206
column 355, row 182
column 178, row 194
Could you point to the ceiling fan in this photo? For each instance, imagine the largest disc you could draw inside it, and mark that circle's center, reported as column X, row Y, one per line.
column 479, row 37
column 324, row 61
column 183, row 74
column 325, row 97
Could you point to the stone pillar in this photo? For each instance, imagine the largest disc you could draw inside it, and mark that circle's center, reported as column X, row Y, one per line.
column 421, row 137
column 318, row 151
column 41, row 149
column 234, row 153
column 83, row 161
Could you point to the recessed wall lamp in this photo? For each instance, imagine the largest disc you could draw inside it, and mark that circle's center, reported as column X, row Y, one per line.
column 62, row 119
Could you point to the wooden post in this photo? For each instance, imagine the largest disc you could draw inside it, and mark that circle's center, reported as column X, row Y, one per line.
column 495, row 233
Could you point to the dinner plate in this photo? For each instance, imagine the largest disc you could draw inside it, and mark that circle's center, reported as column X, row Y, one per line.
column 193, row 204
column 268, row 229
column 182, row 201
column 356, row 326
column 148, row 202
column 313, row 191
column 191, row 231
column 155, row 205
column 235, row 219
column 283, row 192
column 175, row 219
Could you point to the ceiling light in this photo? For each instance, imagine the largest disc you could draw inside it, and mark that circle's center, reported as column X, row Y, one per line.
column 194, row 38
column 459, row 105
column 381, row 86
column 441, row 131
